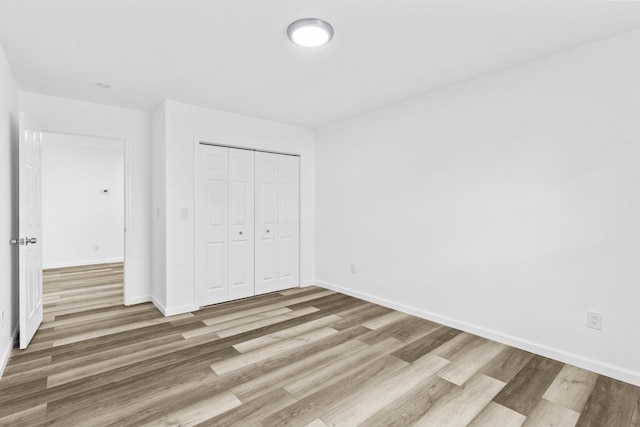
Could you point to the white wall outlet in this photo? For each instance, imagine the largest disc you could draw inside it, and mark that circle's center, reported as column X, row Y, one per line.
column 353, row 269
column 594, row 320
column 2, row 319
column 185, row 213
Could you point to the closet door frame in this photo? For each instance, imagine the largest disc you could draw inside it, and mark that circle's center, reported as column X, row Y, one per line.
column 218, row 142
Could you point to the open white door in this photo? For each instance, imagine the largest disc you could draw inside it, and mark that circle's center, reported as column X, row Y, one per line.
column 30, row 230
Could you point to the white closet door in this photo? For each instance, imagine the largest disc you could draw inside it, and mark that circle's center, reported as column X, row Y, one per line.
column 212, row 224
column 288, row 221
column 241, row 223
column 266, row 222
column 277, row 222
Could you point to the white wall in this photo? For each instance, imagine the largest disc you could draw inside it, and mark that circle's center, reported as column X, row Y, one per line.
column 158, row 203
column 134, row 127
column 183, row 125
column 506, row 206
column 8, row 210
column 81, row 225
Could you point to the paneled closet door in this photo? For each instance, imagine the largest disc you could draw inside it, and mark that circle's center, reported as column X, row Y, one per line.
column 277, row 222
column 212, row 225
column 241, row 223
column 224, row 264
column 288, row 221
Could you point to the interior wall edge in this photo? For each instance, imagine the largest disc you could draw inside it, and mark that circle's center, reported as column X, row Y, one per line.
column 4, row 358
column 603, row 368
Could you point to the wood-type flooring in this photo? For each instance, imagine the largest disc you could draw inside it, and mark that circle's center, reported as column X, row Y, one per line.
column 300, row 357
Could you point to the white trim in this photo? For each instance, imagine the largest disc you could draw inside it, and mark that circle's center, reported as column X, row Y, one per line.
column 95, row 147
column 126, row 140
column 159, row 305
column 128, row 203
column 194, row 214
column 172, row 311
column 137, row 300
column 4, row 357
column 82, row 263
column 617, row 372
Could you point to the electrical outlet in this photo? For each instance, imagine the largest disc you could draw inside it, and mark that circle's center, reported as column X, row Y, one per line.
column 2, row 319
column 353, row 269
column 594, row 320
column 185, row 213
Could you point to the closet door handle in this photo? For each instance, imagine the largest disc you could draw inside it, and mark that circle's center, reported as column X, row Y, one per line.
column 267, row 231
column 240, row 233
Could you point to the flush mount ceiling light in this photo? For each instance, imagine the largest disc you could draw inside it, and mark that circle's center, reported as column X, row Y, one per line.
column 310, row 32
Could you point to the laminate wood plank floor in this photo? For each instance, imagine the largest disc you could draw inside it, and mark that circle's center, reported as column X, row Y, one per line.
column 299, row 357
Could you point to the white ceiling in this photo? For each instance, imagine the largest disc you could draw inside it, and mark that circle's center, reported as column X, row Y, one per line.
column 234, row 56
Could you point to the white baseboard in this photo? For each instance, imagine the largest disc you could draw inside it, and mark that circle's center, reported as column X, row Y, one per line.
column 159, row 305
column 172, row 311
column 137, row 300
column 81, row 263
column 619, row 373
column 307, row 284
column 6, row 352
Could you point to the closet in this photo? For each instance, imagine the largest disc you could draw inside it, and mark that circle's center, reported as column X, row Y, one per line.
column 246, row 223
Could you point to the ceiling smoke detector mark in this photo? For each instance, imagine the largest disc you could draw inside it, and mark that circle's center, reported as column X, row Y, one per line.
column 103, row 85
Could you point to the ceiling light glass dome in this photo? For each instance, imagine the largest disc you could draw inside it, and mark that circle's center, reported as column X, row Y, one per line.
column 310, row 32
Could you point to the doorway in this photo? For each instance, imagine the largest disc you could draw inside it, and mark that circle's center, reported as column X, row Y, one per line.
column 83, row 220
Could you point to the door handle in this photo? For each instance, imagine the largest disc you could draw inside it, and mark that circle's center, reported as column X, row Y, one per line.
column 25, row 241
